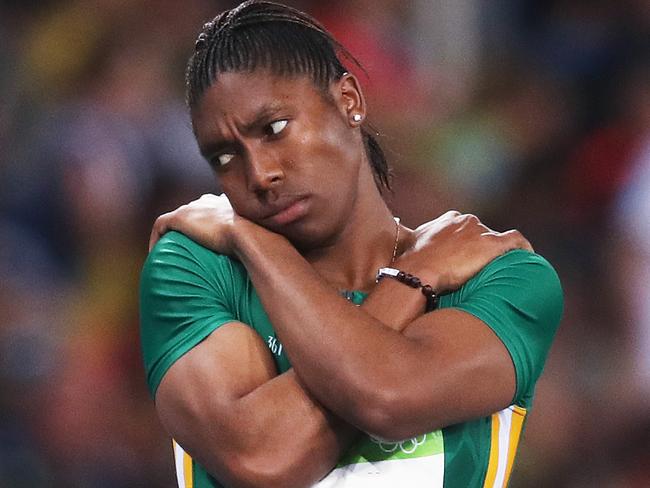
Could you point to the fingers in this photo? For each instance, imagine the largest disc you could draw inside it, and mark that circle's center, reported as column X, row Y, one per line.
column 464, row 219
column 516, row 240
column 471, row 222
column 520, row 242
column 160, row 226
column 455, row 222
column 511, row 239
column 182, row 215
column 451, row 214
column 460, row 222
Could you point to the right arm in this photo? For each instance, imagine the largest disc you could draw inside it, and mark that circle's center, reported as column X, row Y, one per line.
column 223, row 402
column 216, row 387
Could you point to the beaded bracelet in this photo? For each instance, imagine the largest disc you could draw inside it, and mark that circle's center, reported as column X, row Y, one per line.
column 413, row 282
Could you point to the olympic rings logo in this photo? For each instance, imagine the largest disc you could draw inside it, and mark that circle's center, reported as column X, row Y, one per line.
column 407, row 446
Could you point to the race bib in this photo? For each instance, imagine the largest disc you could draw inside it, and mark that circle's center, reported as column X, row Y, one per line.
column 419, row 461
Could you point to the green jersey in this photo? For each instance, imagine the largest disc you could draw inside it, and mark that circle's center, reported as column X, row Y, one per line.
column 188, row 291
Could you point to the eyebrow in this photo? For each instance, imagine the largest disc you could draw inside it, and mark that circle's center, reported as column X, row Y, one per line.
column 264, row 113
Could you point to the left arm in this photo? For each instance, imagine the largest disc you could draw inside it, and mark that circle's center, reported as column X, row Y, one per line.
column 390, row 379
column 446, row 367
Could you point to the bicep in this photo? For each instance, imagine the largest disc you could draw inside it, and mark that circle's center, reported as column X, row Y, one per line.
column 197, row 397
column 186, row 293
column 464, row 371
column 225, row 404
column 520, row 298
column 230, row 363
column 215, row 383
column 488, row 351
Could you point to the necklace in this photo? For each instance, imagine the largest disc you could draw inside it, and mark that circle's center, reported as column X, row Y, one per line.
column 354, row 296
column 392, row 259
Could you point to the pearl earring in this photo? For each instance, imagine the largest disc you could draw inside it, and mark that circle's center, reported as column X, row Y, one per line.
column 357, row 117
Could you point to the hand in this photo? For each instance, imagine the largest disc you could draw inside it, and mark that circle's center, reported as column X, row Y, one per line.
column 208, row 221
column 451, row 249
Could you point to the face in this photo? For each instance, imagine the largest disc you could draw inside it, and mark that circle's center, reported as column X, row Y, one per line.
column 287, row 157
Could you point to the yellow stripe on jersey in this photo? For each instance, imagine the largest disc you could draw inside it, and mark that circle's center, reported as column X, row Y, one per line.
column 519, row 414
column 187, row 465
column 494, row 453
column 506, row 430
column 183, row 463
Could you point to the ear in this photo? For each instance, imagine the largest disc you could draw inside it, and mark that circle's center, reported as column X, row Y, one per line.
column 350, row 100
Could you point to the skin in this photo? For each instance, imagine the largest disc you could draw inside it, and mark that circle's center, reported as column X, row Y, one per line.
column 304, row 216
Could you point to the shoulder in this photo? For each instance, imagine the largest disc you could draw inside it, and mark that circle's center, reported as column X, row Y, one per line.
column 186, row 292
column 177, row 257
column 521, row 259
column 525, row 261
column 519, row 296
column 520, row 268
column 518, row 281
column 177, row 247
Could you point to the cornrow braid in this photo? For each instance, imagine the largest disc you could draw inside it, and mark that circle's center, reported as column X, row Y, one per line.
column 287, row 42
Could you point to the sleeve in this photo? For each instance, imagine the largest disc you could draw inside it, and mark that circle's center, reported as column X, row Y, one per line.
column 519, row 296
column 186, row 292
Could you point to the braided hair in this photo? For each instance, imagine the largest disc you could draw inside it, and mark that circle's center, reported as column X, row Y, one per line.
column 285, row 41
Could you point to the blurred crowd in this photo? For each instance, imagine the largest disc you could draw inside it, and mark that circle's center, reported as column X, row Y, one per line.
column 531, row 114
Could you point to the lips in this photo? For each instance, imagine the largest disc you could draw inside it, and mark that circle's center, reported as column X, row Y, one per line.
column 287, row 212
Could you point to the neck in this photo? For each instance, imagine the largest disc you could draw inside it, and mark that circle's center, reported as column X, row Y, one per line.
column 366, row 243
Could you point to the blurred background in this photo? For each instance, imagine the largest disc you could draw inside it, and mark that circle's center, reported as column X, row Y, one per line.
column 531, row 114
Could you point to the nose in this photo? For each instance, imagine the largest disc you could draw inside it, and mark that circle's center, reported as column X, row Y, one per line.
column 264, row 170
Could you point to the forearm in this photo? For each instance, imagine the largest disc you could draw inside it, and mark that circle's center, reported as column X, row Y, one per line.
column 340, row 351
column 225, row 404
column 276, row 435
column 292, row 435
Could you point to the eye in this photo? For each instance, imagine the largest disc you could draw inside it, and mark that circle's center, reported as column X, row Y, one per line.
column 277, row 126
column 224, row 159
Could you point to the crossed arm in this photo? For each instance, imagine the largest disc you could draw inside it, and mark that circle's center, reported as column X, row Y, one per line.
column 246, row 425
column 442, row 368
column 358, row 368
